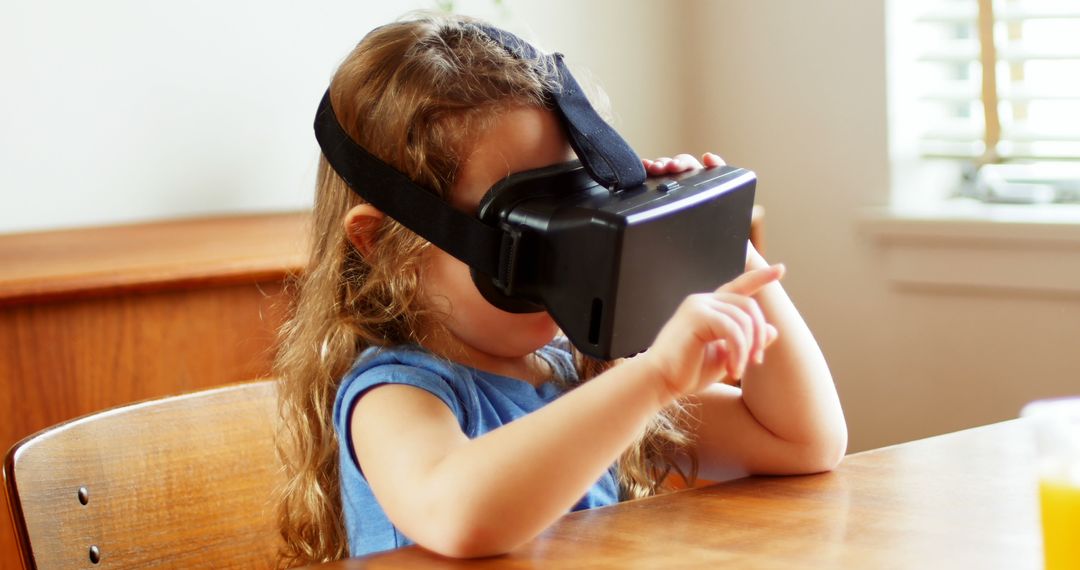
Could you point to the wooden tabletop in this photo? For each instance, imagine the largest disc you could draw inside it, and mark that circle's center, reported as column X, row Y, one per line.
column 962, row 500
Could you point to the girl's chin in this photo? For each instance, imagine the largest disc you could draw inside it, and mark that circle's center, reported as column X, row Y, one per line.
column 529, row 342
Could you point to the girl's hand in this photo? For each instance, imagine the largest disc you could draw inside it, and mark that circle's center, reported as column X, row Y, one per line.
column 680, row 163
column 714, row 335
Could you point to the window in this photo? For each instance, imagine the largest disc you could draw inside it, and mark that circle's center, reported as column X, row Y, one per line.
column 985, row 99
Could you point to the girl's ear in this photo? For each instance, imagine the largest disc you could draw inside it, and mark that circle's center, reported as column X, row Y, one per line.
column 361, row 223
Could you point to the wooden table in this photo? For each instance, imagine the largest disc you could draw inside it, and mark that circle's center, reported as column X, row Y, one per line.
column 962, row 500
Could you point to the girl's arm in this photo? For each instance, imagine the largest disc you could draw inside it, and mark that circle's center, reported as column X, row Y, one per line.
column 485, row 496
column 786, row 418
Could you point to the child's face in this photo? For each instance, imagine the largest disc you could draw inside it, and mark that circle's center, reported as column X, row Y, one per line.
column 521, row 139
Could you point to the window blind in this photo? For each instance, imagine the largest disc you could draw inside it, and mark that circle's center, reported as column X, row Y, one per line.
column 1001, row 80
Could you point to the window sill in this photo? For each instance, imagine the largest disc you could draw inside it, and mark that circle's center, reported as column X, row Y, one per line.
column 967, row 246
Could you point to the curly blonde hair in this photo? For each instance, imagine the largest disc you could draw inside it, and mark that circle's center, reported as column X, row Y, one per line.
column 414, row 93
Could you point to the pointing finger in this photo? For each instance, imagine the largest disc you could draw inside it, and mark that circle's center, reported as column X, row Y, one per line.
column 752, row 281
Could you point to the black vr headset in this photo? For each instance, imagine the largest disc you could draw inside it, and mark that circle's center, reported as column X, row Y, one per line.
column 609, row 254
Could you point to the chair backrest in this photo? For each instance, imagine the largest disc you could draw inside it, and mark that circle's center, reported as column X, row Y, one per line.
column 184, row 481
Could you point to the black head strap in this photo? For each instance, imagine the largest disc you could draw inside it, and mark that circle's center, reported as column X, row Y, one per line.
column 461, row 235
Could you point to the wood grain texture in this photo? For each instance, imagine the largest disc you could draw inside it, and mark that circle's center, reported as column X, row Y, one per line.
column 962, row 500
column 61, row 360
column 75, row 263
column 180, row 482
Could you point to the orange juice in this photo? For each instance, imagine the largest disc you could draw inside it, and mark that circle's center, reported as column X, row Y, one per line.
column 1060, row 504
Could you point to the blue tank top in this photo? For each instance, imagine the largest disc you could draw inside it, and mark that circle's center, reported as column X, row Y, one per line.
column 481, row 401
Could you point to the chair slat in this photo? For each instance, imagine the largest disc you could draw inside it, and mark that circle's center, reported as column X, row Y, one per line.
column 185, row 481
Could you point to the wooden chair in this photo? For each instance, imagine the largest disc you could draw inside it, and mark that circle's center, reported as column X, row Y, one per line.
column 184, row 481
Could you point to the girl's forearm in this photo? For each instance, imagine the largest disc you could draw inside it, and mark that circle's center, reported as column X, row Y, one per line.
column 792, row 393
column 505, row 487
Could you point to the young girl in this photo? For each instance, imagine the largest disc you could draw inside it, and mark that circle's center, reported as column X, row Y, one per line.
column 414, row 411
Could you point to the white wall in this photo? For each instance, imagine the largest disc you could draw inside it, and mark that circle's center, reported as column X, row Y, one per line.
column 796, row 91
column 122, row 110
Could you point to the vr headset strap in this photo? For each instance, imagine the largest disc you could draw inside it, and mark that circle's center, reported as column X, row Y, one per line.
column 605, row 155
column 461, row 235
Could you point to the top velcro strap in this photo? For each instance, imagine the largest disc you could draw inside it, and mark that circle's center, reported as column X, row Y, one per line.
column 605, row 155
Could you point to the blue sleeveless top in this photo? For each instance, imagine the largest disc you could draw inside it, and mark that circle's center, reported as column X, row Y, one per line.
column 481, row 401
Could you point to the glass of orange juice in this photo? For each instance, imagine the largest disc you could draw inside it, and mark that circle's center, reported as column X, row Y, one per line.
column 1056, row 424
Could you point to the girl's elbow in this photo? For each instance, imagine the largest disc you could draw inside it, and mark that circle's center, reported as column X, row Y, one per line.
column 463, row 545
column 818, row 455
column 831, row 459
column 827, row 452
column 465, row 525
column 468, row 539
